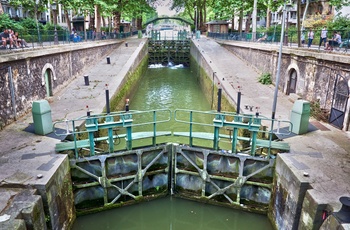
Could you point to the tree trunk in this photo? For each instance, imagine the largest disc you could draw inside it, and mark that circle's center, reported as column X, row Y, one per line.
column 98, row 19
column 139, row 23
column 247, row 23
column 1, row 11
column 240, row 25
column 68, row 20
column 233, row 23
column 117, row 17
column 268, row 18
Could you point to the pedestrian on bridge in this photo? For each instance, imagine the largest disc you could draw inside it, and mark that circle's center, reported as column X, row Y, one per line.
column 310, row 36
column 323, row 37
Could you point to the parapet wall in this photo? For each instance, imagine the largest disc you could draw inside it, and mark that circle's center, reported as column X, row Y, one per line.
column 317, row 75
column 28, row 76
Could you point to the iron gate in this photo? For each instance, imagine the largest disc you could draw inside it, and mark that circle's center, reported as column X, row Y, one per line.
column 339, row 102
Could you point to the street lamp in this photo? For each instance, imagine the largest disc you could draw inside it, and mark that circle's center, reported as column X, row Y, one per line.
column 278, row 66
column 195, row 19
column 279, row 61
column 54, row 9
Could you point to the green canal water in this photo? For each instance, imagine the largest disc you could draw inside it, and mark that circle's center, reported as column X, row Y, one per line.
column 172, row 88
column 171, row 213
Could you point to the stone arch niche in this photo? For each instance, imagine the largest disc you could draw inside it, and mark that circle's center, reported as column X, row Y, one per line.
column 292, row 79
column 47, row 77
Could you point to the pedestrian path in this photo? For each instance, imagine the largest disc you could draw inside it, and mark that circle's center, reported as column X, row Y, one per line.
column 236, row 75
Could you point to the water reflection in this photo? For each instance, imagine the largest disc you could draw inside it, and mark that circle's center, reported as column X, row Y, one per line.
column 173, row 214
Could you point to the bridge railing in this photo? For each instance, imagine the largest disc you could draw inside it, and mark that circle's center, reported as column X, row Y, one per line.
column 109, row 129
column 103, row 132
column 290, row 38
column 42, row 38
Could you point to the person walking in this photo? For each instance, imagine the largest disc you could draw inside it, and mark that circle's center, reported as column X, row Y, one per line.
column 323, row 37
column 310, row 36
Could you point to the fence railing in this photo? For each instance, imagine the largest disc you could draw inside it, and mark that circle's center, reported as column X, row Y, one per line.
column 39, row 38
column 289, row 37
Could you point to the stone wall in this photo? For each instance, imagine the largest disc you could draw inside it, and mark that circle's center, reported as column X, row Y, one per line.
column 28, row 70
column 316, row 71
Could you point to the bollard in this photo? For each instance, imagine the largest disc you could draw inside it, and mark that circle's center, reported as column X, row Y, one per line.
column 126, row 44
column 108, row 60
column 344, row 213
column 86, row 79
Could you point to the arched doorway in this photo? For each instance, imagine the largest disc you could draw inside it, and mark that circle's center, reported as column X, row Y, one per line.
column 48, row 82
column 339, row 102
column 292, row 82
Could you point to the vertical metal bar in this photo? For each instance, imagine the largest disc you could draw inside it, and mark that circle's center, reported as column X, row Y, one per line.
column 12, row 90
column 75, row 140
column 278, row 66
column 253, row 143
column 216, row 138
column 191, row 139
column 139, row 171
column 205, row 162
column 110, row 135
column 234, row 140
column 104, row 179
column 154, row 128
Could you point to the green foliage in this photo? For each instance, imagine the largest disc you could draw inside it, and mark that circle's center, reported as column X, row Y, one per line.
column 340, row 23
column 265, row 79
column 317, row 112
column 6, row 22
column 30, row 24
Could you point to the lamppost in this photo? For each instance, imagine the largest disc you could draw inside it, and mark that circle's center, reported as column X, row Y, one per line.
column 54, row 10
column 278, row 66
column 195, row 19
column 37, row 19
column 279, row 62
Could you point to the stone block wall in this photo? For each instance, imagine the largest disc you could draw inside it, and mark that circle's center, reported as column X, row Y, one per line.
column 287, row 197
column 317, row 72
column 24, row 82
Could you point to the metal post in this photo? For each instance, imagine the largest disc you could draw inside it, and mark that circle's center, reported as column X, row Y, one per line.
column 278, row 67
column 12, row 90
column 219, row 99
column 108, row 110
column 277, row 80
column 238, row 102
column 37, row 20
column 195, row 19
column 54, row 9
column 56, row 37
column 86, row 79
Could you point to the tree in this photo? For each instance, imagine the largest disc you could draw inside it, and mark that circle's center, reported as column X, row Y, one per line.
column 1, row 11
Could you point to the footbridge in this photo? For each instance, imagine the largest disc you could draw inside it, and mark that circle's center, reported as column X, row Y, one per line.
column 169, row 18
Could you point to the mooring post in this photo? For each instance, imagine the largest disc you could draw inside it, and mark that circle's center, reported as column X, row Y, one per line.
column 238, row 102
column 219, row 100
column 109, row 119
column 107, row 99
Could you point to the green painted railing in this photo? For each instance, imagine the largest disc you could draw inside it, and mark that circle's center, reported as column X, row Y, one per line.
column 210, row 125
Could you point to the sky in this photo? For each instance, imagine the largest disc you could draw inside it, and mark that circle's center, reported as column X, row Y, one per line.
column 163, row 9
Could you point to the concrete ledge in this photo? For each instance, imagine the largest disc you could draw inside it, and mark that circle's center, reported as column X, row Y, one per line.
column 26, row 211
column 48, row 50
